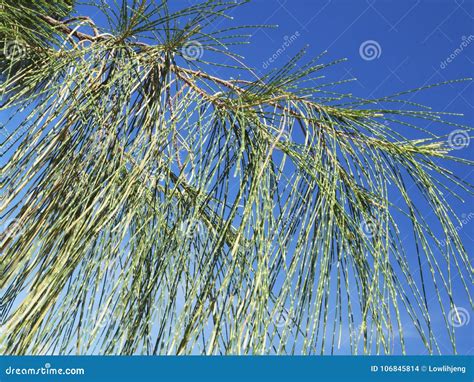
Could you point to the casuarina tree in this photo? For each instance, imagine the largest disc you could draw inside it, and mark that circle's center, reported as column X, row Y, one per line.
column 151, row 206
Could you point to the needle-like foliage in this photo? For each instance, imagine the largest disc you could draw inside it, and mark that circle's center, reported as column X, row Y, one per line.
column 151, row 207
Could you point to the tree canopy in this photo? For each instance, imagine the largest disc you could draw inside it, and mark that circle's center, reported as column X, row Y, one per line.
column 154, row 208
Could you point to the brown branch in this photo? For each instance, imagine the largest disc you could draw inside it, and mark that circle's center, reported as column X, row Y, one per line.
column 62, row 27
